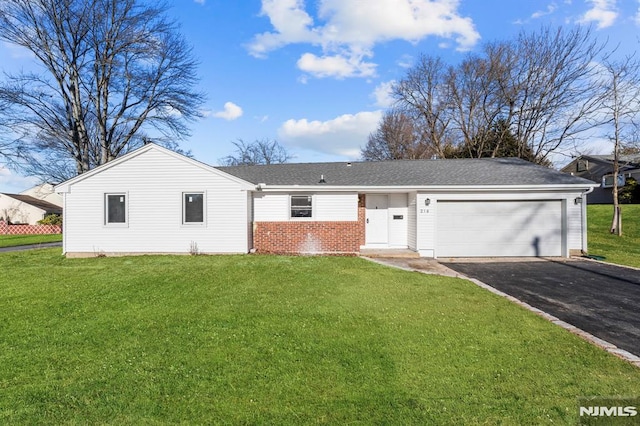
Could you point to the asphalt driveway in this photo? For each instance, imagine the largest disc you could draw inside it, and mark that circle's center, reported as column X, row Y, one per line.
column 601, row 299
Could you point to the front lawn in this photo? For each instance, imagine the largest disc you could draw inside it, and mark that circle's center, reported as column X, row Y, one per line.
column 279, row 340
column 20, row 240
column 624, row 250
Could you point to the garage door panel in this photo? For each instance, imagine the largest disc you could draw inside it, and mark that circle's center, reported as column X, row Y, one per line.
column 499, row 228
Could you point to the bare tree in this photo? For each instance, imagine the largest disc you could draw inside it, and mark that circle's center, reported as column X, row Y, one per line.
column 422, row 95
column 540, row 85
column 554, row 98
column 478, row 90
column 396, row 138
column 261, row 151
column 112, row 71
column 621, row 107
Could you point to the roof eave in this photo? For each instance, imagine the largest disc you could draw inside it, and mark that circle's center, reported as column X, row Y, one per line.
column 422, row 188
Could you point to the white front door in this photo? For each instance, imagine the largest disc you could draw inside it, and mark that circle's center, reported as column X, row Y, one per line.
column 377, row 220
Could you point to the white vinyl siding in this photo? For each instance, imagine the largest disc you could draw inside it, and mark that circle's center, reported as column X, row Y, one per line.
column 426, row 225
column 331, row 206
column 155, row 182
column 574, row 223
column 249, row 198
column 336, row 206
column 398, row 218
column 411, row 221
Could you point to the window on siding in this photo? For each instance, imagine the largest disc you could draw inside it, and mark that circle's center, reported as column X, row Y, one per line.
column 607, row 181
column 582, row 166
column 115, row 209
column 301, row 206
column 193, row 208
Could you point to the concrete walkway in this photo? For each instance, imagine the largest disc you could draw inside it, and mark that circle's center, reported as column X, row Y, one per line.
column 30, row 247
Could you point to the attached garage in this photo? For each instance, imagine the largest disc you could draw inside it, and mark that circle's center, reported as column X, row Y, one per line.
column 499, row 228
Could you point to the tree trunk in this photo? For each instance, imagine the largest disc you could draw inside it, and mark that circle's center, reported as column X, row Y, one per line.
column 616, row 223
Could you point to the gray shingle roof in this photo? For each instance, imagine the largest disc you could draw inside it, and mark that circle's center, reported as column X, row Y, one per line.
column 41, row 204
column 483, row 171
column 625, row 159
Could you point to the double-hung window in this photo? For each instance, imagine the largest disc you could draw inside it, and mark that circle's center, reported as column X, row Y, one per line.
column 301, row 206
column 607, row 181
column 193, row 208
column 115, row 209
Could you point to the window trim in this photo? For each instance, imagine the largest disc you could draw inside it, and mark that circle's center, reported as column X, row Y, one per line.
column 621, row 180
column 106, row 222
column 183, row 204
column 312, row 209
column 582, row 165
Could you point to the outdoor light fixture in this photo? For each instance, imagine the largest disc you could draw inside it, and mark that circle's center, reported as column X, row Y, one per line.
column 427, row 201
column 578, row 200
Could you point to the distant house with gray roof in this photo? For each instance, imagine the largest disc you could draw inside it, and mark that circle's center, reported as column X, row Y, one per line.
column 599, row 169
column 25, row 209
column 154, row 200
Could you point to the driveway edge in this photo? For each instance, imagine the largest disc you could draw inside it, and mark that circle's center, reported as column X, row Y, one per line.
column 603, row 344
column 607, row 346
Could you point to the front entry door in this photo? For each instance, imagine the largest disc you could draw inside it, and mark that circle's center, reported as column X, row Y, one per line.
column 377, row 217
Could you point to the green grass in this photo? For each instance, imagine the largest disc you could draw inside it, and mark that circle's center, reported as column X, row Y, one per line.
column 279, row 340
column 623, row 250
column 19, row 240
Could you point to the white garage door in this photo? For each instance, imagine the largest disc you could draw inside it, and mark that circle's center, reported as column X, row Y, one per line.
column 499, row 228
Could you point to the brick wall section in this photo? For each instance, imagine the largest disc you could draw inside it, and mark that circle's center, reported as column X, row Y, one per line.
column 6, row 229
column 311, row 237
column 362, row 214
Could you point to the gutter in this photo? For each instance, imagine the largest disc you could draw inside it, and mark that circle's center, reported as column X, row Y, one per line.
column 263, row 187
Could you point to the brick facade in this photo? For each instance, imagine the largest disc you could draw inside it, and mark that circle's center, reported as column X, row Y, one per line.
column 6, row 229
column 311, row 237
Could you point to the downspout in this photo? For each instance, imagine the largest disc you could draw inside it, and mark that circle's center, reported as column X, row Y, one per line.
column 64, row 223
column 583, row 214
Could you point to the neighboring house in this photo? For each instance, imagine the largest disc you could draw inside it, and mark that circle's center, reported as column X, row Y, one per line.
column 45, row 192
column 153, row 200
column 25, row 209
column 599, row 169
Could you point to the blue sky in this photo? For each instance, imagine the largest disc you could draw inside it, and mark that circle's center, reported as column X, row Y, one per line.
column 314, row 75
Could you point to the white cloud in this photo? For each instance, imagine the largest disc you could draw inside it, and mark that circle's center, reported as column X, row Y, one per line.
column 15, row 51
column 343, row 135
column 540, row 13
column 637, row 17
column 602, row 12
column 336, row 66
column 12, row 183
column 291, row 23
column 347, row 30
column 382, row 94
column 199, row 1
column 231, row 112
column 406, row 61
